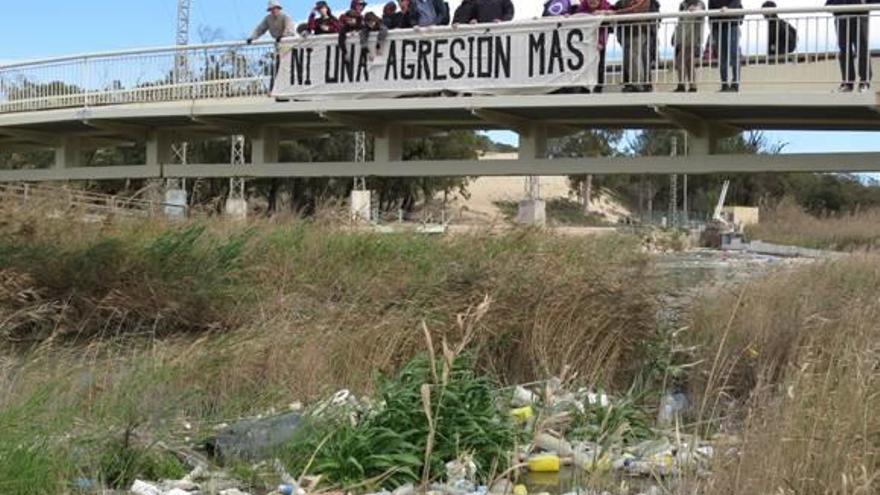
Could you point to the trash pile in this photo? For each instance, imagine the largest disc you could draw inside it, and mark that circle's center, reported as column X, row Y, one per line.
column 582, row 432
column 600, row 435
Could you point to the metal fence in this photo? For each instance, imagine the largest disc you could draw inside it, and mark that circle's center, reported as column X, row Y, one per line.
column 754, row 49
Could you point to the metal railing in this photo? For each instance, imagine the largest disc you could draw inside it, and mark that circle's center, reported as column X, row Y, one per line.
column 656, row 51
column 76, row 198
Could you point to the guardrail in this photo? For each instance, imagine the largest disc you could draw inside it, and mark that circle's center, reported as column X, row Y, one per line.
column 642, row 52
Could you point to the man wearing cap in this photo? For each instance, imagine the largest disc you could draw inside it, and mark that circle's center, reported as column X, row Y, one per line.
column 277, row 23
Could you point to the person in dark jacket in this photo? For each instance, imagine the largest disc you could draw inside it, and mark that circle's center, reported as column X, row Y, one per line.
column 852, row 40
column 725, row 36
column 782, row 37
column 406, row 17
column 373, row 24
column 356, row 9
column 349, row 22
column 321, row 19
column 492, row 11
column 635, row 37
column 464, row 13
column 389, row 12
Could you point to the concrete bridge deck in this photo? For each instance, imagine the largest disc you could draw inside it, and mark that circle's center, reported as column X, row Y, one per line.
column 58, row 104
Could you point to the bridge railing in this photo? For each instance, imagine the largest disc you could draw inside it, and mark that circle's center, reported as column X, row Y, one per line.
column 640, row 50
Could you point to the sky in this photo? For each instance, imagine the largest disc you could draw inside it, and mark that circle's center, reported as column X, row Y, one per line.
column 63, row 27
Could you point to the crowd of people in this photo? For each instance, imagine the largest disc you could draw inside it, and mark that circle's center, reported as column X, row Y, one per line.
column 638, row 39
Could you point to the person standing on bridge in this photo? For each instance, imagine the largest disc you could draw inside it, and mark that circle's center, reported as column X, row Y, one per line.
column 782, row 37
column 852, row 40
column 634, row 36
column 687, row 40
column 486, row 11
column 322, row 20
column 597, row 7
column 277, row 23
column 725, row 35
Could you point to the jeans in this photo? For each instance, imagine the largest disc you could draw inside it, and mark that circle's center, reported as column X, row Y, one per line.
column 725, row 34
column 852, row 39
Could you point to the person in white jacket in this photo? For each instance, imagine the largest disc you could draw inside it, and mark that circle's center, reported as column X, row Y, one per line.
column 277, row 24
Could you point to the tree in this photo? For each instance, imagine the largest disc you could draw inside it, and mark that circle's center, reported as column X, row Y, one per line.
column 583, row 144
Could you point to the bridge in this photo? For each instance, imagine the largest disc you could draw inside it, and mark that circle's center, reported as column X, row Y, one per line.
column 155, row 98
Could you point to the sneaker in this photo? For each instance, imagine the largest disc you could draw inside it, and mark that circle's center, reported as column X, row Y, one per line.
column 725, row 88
column 680, row 89
column 647, row 88
column 598, row 89
column 629, row 88
column 692, row 89
column 734, row 88
column 845, row 88
column 864, row 87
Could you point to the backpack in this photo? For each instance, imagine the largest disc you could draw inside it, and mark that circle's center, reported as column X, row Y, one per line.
column 791, row 38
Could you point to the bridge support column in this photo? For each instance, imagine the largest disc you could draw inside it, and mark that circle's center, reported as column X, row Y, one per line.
column 702, row 144
column 159, row 151
column 388, row 145
column 264, row 146
column 159, row 148
column 68, row 153
column 532, row 146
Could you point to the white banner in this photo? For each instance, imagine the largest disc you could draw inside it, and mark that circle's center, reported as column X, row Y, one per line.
column 483, row 59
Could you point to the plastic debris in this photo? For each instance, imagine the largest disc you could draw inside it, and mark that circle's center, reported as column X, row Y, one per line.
column 143, row 488
column 407, row 489
column 560, row 446
column 544, row 463
column 671, row 407
column 523, row 396
column 522, row 414
column 520, row 490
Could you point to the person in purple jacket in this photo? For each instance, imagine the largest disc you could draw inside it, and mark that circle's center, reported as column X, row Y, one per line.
column 597, row 7
column 852, row 40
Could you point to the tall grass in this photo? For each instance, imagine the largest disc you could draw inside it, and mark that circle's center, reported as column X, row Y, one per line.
column 787, row 223
column 131, row 337
column 791, row 364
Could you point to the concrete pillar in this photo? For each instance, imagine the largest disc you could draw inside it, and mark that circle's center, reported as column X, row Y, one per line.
column 174, row 205
column 264, row 146
column 237, row 208
column 388, row 146
column 361, row 205
column 703, row 144
column 532, row 146
column 68, row 153
column 159, row 148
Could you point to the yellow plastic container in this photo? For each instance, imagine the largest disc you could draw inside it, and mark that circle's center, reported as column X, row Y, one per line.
column 544, row 463
column 522, row 414
column 520, row 490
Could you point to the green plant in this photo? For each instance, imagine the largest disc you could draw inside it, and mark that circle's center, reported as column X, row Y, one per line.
column 388, row 445
column 122, row 461
column 621, row 421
